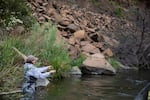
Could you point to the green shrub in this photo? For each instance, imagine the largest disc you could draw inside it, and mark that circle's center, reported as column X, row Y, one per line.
column 118, row 12
column 113, row 62
column 78, row 61
column 96, row 2
column 7, row 55
column 11, row 74
column 14, row 12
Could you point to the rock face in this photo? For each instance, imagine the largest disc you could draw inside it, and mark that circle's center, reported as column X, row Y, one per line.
column 82, row 30
column 90, row 32
column 97, row 64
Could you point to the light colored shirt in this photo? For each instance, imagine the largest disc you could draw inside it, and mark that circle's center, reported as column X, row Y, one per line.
column 39, row 73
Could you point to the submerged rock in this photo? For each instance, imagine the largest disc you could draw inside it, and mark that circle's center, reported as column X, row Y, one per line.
column 75, row 71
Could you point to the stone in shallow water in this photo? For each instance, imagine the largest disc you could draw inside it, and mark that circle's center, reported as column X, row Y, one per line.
column 97, row 64
column 75, row 71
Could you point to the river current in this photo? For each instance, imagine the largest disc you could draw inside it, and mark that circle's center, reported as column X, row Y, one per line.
column 123, row 86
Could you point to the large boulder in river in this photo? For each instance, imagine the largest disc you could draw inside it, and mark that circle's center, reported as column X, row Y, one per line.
column 97, row 64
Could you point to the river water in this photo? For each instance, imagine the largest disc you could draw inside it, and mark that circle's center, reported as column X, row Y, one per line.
column 123, row 86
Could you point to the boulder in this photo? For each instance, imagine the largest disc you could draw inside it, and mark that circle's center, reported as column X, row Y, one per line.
column 71, row 41
column 97, row 64
column 57, row 17
column 89, row 48
column 51, row 11
column 108, row 52
column 75, row 71
column 98, row 44
column 112, row 42
column 72, row 27
column 83, row 43
column 79, row 34
column 64, row 23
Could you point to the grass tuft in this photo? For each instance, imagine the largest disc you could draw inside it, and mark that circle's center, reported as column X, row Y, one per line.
column 114, row 63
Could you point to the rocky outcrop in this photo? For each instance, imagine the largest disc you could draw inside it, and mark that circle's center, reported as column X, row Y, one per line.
column 89, row 32
column 81, row 29
column 97, row 64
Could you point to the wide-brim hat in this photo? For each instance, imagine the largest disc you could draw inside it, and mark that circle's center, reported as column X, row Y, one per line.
column 31, row 58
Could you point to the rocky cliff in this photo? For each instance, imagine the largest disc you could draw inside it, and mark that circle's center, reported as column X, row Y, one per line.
column 111, row 27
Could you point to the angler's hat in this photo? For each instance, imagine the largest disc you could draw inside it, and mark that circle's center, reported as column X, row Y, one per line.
column 31, row 58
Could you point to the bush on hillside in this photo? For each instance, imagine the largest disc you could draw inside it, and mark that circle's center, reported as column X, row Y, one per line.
column 14, row 12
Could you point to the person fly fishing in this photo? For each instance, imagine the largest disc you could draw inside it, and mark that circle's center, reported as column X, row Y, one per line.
column 31, row 76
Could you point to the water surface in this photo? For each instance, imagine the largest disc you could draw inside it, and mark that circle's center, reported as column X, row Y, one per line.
column 124, row 86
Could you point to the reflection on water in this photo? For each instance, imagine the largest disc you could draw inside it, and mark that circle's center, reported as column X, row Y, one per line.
column 123, row 86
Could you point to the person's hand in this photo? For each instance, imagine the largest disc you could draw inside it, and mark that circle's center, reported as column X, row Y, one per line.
column 50, row 67
column 52, row 71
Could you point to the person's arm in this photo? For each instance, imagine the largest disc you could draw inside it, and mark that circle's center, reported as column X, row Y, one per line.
column 37, row 74
column 44, row 75
column 43, row 69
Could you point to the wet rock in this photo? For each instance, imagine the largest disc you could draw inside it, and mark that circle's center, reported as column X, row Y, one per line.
column 97, row 64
